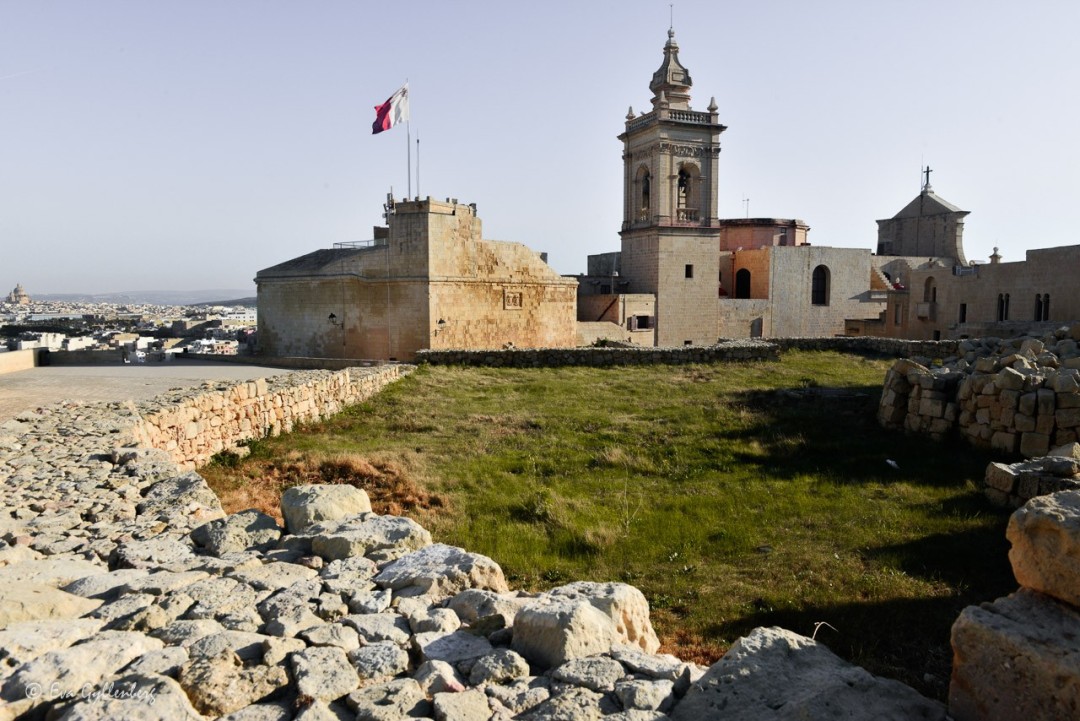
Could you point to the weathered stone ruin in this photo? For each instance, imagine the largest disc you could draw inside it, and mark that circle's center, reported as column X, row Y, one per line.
column 1020, row 395
column 126, row 592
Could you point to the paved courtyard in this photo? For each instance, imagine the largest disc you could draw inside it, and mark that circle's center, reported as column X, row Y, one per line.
column 26, row 390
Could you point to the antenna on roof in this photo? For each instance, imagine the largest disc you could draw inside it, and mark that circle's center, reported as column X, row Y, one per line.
column 671, row 7
column 746, row 202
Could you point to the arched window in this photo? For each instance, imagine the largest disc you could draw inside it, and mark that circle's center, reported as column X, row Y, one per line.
column 1042, row 306
column 1003, row 306
column 819, row 286
column 742, row 283
column 684, row 187
column 1038, row 307
column 1046, row 306
column 929, row 294
column 644, row 183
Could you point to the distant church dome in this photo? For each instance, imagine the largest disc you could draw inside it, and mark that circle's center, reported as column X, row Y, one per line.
column 18, row 296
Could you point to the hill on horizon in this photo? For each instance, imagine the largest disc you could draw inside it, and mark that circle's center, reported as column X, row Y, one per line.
column 156, row 297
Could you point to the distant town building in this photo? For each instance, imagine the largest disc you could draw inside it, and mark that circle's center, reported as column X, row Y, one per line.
column 19, row 296
column 428, row 280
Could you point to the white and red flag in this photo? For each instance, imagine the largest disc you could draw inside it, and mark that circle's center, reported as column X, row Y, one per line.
column 395, row 110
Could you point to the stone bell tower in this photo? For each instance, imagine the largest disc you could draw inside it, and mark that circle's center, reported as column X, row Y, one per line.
column 670, row 229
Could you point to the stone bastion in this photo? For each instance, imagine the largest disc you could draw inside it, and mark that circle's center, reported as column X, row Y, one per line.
column 127, row 592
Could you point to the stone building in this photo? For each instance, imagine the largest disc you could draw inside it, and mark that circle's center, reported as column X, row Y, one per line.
column 18, row 296
column 711, row 278
column 427, row 280
column 937, row 294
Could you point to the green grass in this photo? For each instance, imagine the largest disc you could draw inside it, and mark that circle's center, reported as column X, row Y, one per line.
column 732, row 495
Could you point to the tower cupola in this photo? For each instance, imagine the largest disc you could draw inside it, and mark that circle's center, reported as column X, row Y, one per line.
column 671, row 82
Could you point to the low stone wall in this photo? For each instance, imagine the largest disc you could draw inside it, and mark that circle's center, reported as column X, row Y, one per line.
column 1020, row 395
column 1017, row 483
column 296, row 363
column 724, row 350
column 192, row 425
column 19, row 360
column 869, row 345
column 112, row 357
column 601, row 357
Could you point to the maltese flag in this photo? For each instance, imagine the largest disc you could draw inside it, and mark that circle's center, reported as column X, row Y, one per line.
column 395, row 110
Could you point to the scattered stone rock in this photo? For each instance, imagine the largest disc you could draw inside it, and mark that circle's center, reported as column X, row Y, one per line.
column 221, row 684
column 324, row 673
column 379, row 538
column 596, row 673
column 772, row 669
column 243, row 531
column 552, row 633
column 302, row 506
column 1045, row 537
column 441, row 570
column 31, row 602
column 499, row 666
column 470, row 705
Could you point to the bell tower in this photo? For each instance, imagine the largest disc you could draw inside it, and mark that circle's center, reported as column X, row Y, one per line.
column 671, row 154
column 670, row 228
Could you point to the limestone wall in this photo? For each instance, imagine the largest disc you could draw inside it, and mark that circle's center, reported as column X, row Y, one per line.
column 192, row 426
column 602, row 357
column 1020, row 395
column 18, row 360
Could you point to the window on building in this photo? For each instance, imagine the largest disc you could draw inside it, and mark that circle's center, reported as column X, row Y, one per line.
column 897, row 314
column 639, row 322
column 783, row 236
column 1003, row 306
column 1046, row 306
column 962, row 316
column 689, row 270
column 1038, row 307
column 688, row 342
column 742, row 283
column 684, row 188
column 929, row 294
column 819, row 286
column 1042, row 306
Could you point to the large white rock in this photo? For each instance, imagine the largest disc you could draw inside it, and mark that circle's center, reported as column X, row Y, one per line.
column 24, row 641
column 1016, row 658
column 30, row 602
column 302, row 506
column 134, row 697
column 777, row 674
column 441, row 570
column 380, row 538
column 625, row 605
column 324, row 673
column 1045, row 553
column 551, row 633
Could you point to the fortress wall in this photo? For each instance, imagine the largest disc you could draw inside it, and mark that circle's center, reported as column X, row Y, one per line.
column 193, row 426
column 18, row 360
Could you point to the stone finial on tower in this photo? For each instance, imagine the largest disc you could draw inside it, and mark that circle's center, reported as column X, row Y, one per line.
column 713, row 107
column 630, row 113
column 672, row 79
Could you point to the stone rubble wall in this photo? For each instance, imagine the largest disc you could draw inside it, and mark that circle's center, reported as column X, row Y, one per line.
column 192, row 426
column 1019, row 657
column 1020, row 395
column 1016, row 484
column 126, row 592
column 725, row 350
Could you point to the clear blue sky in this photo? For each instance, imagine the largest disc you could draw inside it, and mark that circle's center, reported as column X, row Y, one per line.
column 188, row 144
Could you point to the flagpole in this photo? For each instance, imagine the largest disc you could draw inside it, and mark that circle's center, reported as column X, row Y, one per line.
column 417, row 162
column 408, row 156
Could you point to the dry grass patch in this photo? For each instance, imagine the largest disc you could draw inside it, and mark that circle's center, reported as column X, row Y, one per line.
column 390, row 482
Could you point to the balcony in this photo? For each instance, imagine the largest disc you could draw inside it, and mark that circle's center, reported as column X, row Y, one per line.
column 686, row 215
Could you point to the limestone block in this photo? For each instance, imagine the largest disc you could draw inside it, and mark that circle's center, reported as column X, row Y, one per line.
column 243, row 531
column 222, row 684
column 441, row 570
column 1033, row 445
column 323, row 673
column 597, row 673
column 1001, row 477
column 439, row 676
column 550, row 634
column 380, row 538
column 1067, row 450
column 390, row 701
column 138, row 696
column 773, row 669
column 452, row 648
column 1004, row 441
column 31, row 602
column 379, row 661
column 625, row 605
column 304, row 505
column 23, row 641
column 1045, row 537
column 1016, row 658
column 1047, row 401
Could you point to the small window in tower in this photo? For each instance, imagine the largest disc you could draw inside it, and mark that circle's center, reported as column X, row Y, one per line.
column 783, row 236
column 688, row 342
column 819, row 286
column 689, row 270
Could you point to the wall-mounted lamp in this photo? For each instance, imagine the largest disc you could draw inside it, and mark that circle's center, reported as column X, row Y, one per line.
column 332, row 319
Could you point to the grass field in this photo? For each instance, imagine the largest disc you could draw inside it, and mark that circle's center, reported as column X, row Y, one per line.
column 732, row 495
